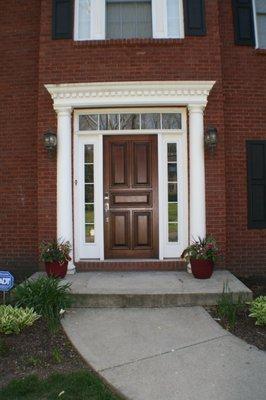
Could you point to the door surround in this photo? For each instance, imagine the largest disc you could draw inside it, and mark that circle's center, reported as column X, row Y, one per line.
column 69, row 96
column 85, row 251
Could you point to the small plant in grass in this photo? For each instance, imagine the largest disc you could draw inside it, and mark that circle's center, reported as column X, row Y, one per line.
column 32, row 361
column 57, row 356
column 47, row 296
column 14, row 319
column 227, row 308
column 258, row 310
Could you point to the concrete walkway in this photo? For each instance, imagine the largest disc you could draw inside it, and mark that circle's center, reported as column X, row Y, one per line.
column 167, row 354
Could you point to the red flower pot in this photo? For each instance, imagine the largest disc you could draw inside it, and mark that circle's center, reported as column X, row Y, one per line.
column 201, row 269
column 56, row 269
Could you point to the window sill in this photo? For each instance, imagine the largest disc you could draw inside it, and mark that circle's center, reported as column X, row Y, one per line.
column 260, row 52
column 133, row 42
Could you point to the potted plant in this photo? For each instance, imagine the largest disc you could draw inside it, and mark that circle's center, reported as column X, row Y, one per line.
column 201, row 254
column 55, row 255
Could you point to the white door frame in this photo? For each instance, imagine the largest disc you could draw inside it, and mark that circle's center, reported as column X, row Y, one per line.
column 86, row 251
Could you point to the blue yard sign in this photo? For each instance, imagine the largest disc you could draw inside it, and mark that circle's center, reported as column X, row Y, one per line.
column 6, row 281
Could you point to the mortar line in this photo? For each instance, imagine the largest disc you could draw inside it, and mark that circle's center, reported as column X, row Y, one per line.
column 162, row 354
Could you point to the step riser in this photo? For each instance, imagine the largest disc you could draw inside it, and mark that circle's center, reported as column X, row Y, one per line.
column 122, row 266
column 150, row 300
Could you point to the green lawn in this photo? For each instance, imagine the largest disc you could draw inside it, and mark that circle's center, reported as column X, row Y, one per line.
column 81, row 385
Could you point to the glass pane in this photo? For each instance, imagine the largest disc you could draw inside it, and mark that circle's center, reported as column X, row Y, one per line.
column 84, row 17
column 173, row 18
column 103, row 121
column 89, row 233
column 172, row 212
column 261, row 23
column 261, row 6
column 89, row 173
column 172, row 233
column 172, row 192
column 171, row 121
column 89, row 153
column 129, row 121
column 171, row 152
column 129, row 19
column 89, row 198
column 89, row 213
column 113, row 122
column 150, row 121
column 88, row 122
column 172, row 172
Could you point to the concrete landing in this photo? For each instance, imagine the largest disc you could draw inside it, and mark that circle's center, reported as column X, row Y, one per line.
column 167, row 354
column 151, row 289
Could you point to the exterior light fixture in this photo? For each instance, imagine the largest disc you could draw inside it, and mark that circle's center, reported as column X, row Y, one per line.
column 211, row 138
column 50, row 141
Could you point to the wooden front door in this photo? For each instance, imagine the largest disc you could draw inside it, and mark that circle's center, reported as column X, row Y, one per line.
column 131, row 196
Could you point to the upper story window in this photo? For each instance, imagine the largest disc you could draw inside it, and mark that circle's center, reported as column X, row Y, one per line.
column 124, row 19
column 260, row 23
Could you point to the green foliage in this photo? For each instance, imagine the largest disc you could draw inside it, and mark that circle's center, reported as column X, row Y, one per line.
column 79, row 385
column 258, row 310
column 55, row 251
column 228, row 308
column 57, row 356
column 202, row 249
column 4, row 349
column 48, row 296
column 32, row 361
column 14, row 319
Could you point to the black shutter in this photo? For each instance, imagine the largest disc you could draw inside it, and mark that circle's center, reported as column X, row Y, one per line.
column 195, row 17
column 256, row 164
column 243, row 22
column 62, row 23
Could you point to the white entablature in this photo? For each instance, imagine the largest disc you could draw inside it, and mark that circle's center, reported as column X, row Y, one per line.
column 119, row 94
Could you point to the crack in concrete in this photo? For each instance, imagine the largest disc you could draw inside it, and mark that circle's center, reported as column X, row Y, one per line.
column 163, row 353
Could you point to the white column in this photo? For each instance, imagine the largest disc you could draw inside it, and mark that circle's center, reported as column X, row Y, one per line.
column 64, row 179
column 197, row 172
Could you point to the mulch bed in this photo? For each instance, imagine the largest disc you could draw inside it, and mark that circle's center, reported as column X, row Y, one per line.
column 245, row 327
column 37, row 351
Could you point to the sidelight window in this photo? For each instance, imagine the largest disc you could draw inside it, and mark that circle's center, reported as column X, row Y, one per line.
column 89, row 192
column 172, row 192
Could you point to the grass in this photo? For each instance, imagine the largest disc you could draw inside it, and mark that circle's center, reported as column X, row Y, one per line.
column 81, row 385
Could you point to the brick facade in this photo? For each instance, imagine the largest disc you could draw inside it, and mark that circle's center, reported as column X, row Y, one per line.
column 235, row 107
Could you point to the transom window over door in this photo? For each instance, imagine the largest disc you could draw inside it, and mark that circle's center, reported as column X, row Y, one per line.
column 124, row 19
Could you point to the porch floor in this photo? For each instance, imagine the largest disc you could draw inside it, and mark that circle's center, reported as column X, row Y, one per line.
column 151, row 289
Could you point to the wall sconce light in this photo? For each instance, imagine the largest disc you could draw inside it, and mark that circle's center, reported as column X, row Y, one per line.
column 50, row 141
column 211, row 138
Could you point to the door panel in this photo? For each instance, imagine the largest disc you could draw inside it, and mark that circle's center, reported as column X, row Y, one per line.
column 131, row 196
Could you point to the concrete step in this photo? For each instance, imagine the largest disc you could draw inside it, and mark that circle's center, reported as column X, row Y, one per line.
column 151, row 289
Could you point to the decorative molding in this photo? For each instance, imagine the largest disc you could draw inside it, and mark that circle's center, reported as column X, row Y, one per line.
column 173, row 93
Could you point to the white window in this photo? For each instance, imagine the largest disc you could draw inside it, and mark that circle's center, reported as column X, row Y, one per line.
column 124, row 19
column 260, row 23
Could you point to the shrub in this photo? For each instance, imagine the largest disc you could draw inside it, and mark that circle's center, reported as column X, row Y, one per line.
column 48, row 297
column 258, row 310
column 14, row 319
column 227, row 308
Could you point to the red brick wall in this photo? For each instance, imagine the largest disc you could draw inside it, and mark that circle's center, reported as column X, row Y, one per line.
column 194, row 58
column 19, row 26
column 244, row 82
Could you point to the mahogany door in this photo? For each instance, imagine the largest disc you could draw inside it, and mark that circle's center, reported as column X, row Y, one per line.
column 131, row 196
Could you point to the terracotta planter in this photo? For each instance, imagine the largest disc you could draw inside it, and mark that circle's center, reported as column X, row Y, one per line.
column 56, row 269
column 201, row 269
